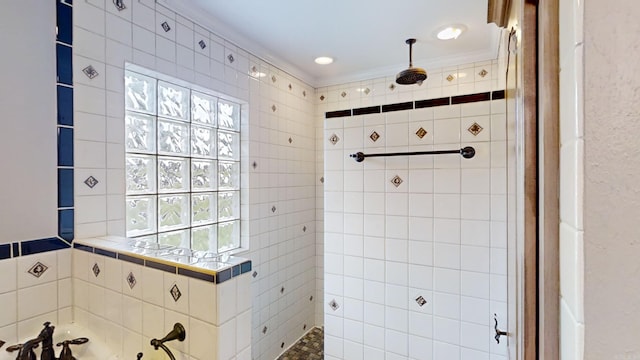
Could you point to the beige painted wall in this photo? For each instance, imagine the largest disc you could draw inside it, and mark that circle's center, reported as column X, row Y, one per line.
column 612, row 170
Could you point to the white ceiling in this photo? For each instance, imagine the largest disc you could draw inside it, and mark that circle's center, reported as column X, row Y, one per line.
column 365, row 37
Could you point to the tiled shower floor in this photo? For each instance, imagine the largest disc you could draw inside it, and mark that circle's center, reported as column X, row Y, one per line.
column 310, row 347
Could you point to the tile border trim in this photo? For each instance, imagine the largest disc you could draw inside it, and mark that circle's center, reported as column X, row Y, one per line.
column 418, row 104
column 194, row 272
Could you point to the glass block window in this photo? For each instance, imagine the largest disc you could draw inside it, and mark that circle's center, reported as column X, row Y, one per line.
column 182, row 166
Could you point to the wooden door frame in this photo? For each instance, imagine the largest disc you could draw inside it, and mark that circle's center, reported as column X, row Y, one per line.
column 540, row 90
column 538, row 21
column 549, row 193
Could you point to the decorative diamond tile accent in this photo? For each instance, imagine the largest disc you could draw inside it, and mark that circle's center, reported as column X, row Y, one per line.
column 273, row 208
column 91, row 182
column 334, row 305
column 119, row 5
column 264, row 330
column 231, row 58
column 273, row 78
column 274, row 108
column 366, row 91
column 322, row 98
column 96, row 269
column 397, row 180
column 374, row 136
column 290, row 140
column 483, row 73
column 175, row 292
column 392, row 87
column 38, row 269
column 290, row 87
column 421, row 132
column 450, row 78
column 131, row 280
column 255, row 273
column 343, row 94
column 90, row 71
column 421, row 301
column 166, row 27
column 475, row 129
column 202, row 44
column 334, row 139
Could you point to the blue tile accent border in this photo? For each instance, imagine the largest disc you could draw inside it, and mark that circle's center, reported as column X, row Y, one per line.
column 64, row 66
column 65, row 188
column 65, row 146
column 64, row 14
column 197, row 275
column 106, row 253
column 5, row 251
column 218, row 278
column 64, row 134
column 245, row 267
column 65, row 224
column 160, row 266
column 223, row 276
column 83, row 247
column 65, row 105
column 131, row 259
column 43, row 245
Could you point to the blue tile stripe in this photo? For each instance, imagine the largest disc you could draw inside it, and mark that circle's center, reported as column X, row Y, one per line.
column 64, row 96
column 83, row 247
column 161, row 266
column 42, row 245
column 106, row 253
column 221, row 276
column 197, row 275
column 5, row 251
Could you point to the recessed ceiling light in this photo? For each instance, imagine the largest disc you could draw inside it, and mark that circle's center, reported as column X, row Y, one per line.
column 451, row 32
column 323, row 60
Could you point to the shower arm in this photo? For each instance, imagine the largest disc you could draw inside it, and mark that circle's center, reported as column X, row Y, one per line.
column 466, row 152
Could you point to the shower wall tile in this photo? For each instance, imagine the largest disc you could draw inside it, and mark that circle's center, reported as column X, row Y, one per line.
column 283, row 144
column 432, row 258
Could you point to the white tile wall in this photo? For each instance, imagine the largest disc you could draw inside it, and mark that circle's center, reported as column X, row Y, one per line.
column 571, row 180
column 127, row 318
column 28, row 301
column 284, row 177
column 429, row 237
